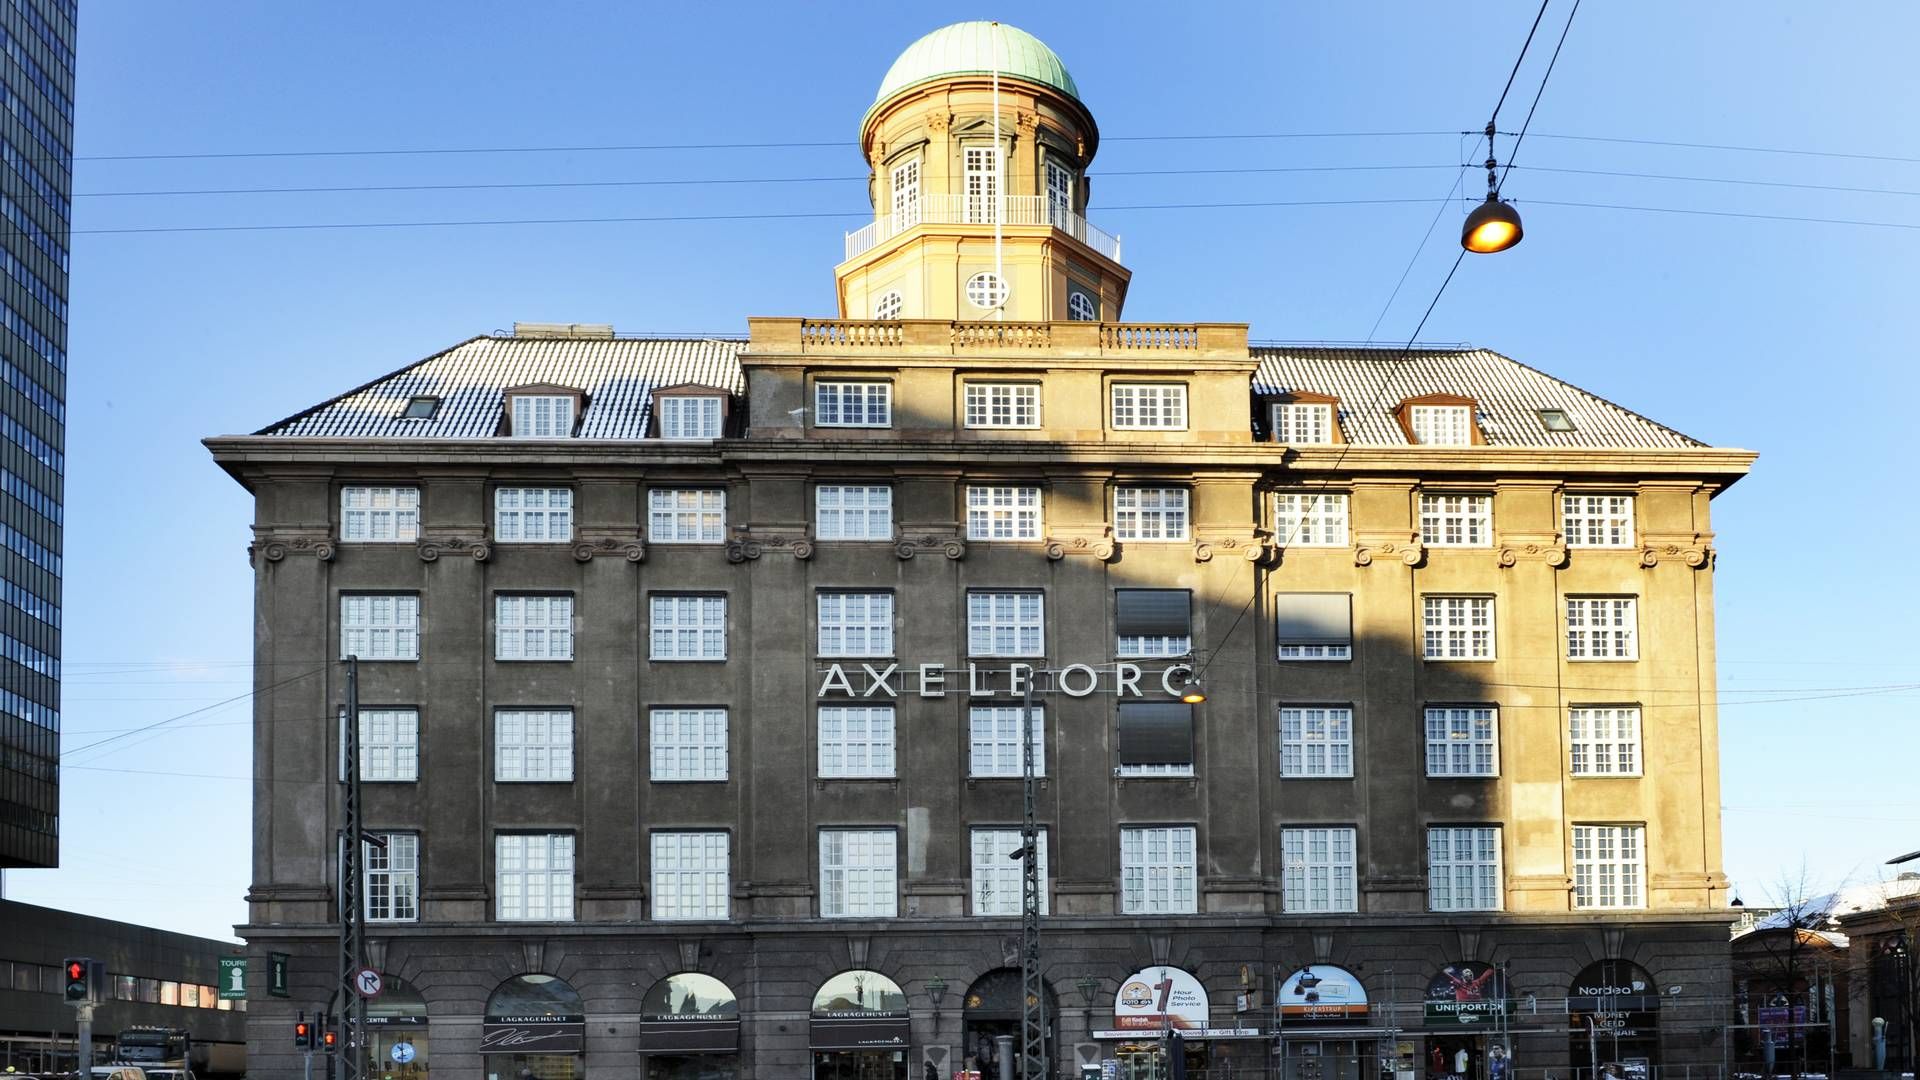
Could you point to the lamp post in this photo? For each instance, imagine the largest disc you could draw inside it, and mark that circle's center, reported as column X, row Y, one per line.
column 937, row 992
column 1088, row 986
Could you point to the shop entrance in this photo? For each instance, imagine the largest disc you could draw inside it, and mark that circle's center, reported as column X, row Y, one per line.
column 1456, row 1057
column 994, row 1007
column 1329, row 1059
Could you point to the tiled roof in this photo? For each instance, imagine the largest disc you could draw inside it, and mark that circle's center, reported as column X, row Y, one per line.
column 618, row 375
column 1370, row 381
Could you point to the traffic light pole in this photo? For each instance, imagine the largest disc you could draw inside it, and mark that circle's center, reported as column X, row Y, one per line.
column 83, row 1039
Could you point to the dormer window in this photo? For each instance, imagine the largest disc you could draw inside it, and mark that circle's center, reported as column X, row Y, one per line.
column 1440, row 420
column 690, row 418
column 542, row 412
column 421, row 408
column 1303, row 419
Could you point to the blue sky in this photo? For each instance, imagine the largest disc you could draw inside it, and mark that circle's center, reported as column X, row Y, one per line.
column 1790, row 338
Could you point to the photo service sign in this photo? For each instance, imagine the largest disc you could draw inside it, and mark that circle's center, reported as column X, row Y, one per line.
column 1159, row 999
column 533, row 1035
column 1468, row 992
column 1322, row 992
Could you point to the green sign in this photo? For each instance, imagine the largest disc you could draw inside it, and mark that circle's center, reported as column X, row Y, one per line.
column 277, row 974
column 233, row 978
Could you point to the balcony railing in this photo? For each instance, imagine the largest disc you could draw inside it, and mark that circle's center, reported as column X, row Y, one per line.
column 979, row 210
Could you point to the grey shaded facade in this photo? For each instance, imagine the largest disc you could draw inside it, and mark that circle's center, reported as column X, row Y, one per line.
column 36, row 142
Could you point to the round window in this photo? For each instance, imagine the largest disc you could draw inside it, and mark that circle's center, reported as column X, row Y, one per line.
column 1081, row 308
column 888, row 306
column 986, row 290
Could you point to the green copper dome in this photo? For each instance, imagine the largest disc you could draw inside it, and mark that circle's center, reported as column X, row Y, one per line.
column 977, row 48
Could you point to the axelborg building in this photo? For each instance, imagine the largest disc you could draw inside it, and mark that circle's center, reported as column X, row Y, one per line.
column 689, row 667
column 36, row 140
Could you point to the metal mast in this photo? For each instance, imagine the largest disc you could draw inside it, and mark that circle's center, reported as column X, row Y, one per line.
column 1033, row 991
column 353, row 1007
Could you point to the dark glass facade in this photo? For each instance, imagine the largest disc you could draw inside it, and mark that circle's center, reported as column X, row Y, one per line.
column 36, row 171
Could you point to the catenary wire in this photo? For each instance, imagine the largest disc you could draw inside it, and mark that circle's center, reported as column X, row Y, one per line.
column 1514, row 150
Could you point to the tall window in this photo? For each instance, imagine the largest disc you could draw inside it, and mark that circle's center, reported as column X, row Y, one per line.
column 1602, row 628
column 982, row 184
column 1310, row 519
column 1150, row 405
column 855, row 624
column 1158, row 874
column 852, row 404
column 1002, row 405
column 1316, row 740
column 1458, row 627
column 1313, row 626
column 1463, row 868
column 380, row 515
column 858, row 874
column 1609, row 863
column 690, row 875
column 687, row 515
column 533, row 745
column 533, row 627
column 1317, row 870
column 1144, row 513
column 1003, row 513
column 1059, row 194
column 1456, row 520
column 906, row 195
column 542, row 416
column 1153, row 622
column 533, row 515
column 1604, row 740
column 688, row 627
column 849, row 512
column 687, row 744
column 993, row 738
column 389, row 745
column 856, row 742
column 533, row 877
column 1441, row 425
column 689, row 417
column 998, row 879
column 390, row 875
column 1463, row 741
column 1597, row 521
column 380, row 627
column 1303, row 423
column 1006, row 624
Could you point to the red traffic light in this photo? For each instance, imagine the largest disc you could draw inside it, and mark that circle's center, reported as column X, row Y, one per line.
column 330, row 1038
column 76, row 970
column 302, row 1035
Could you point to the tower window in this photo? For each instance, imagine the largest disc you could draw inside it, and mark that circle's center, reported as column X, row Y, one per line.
column 1059, row 194
column 1081, row 307
column 888, row 306
column 906, row 195
column 986, row 290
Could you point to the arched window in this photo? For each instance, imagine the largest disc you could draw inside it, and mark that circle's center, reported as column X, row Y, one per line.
column 1081, row 307
column 535, row 995
column 986, row 290
column 888, row 306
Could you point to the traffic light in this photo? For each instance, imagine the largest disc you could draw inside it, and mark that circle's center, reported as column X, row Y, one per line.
column 330, row 1038
column 302, row 1033
column 79, row 972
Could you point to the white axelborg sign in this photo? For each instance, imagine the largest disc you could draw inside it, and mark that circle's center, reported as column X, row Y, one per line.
column 983, row 681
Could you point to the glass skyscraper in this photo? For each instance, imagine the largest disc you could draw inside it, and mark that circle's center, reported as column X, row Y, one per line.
column 36, row 140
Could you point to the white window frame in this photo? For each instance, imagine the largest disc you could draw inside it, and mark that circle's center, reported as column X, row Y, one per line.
column 687, row 626
column 905, row 180
column 993, row 742
column 852, row 403
column 998, row 880
column 1159, row 870
column 379, row 515
column 1060, row 182
column 390, row 877
column 380, row 626
column 859, row 873
column 533, row 877
column 1009, row 512
column 533, row 515
column 1458, row 627
column 542, row 416
column 1597, row 520
column 1149, row 406
column 686, row 744
column 980, row 169
column 532, row 626
column 988, row 405
column 1151, row 514
column 889, row 307
column 987, row 290
column 1463, row 868
column 858, row 512
column 1303, row 423
column 1081, row 306
column 1463, row 740
column 533, row 746
column 1316, row 742
column 1441, row 425
column 687, row 515
column 1008, row 623
column 1451, row 519
column 854, row 623
column 1318, row 869
column 1138, row 646
column 856, row 742
column 692, row 877
column 689, row 416
column 1603, row 740
column 1603, row 628
column 1310, row 518
column 389, row 746
column 1609, row 867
